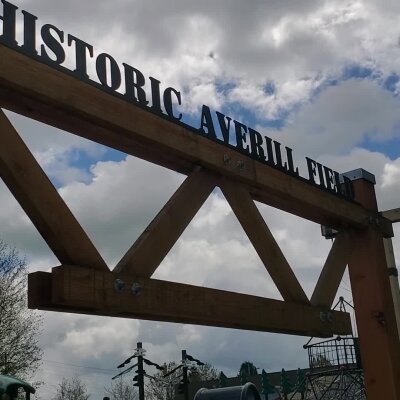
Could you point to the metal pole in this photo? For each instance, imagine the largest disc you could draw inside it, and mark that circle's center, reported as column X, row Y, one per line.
column 140, row 371
column 185, row 379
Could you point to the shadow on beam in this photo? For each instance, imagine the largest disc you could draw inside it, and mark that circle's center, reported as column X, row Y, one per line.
column 87, row 291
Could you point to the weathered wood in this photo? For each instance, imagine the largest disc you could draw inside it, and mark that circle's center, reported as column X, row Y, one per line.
column 332, row 273
column 374, row 309
column 146, row 254
column 85, row 290
column 392, row 215
column 43, row 93
column 42, row 203
column 39, row 289
column 264, row 242
column 393, row 277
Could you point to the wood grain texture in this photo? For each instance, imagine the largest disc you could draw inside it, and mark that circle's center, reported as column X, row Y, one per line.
column 156, row 241
column 48, row 95
column 40, row 200
column 332, row 272
column 85, row 290
column 264, row 243
column 374, row 307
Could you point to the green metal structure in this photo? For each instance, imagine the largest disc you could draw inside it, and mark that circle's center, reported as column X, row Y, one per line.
column 10, row 385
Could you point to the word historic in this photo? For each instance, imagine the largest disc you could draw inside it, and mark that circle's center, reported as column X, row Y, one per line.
column 58, row 49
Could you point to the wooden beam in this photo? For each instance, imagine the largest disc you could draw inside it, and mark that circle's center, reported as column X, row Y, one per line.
column 42, row 203
column 84, row 290
column 374, row 307
column 38, row 91
column 332, row 273
column 146, row 254
column 392, row 215
column 394, row 278
column 264, row 242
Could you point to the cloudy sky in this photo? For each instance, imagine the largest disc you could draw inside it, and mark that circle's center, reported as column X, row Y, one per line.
column 320, row 76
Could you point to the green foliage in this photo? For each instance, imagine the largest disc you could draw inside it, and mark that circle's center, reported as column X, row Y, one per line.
column 222, row 380
column 266, row 387
column 301, row 382
column 286, row 386
column 246, row 370
column 20, row 354
column 204, row 372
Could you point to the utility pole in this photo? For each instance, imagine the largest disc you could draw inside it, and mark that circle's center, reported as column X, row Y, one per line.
column 139, row 378
column 185, row 380
column 140, row 372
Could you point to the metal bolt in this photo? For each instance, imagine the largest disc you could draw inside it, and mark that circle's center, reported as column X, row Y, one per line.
column 227, row 159
column 136, row 288
column 119, row 285
column 240, row 164
column 326, row 316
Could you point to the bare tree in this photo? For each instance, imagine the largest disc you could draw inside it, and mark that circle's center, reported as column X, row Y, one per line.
column 71, row 389
column 121, row 390
column 161, row 388
column 204, row 372
column 20, row 353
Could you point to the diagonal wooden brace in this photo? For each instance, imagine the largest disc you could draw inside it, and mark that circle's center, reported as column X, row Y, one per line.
column 264, row 243
column 40, row 200
column 332, row 273
column 156, row 241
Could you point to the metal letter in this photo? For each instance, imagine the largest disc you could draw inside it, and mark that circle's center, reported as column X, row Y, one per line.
column 225, row 126
column 101, row 69
column 29, row 33
column 207, row 122
column 256, row 142
column 52, row 43
column 168, row 102
column 241, row 137
column 134, row 82
column 9, row 21
column 81, row 48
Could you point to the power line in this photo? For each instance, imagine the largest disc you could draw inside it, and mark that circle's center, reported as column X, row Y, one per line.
column 79, row 366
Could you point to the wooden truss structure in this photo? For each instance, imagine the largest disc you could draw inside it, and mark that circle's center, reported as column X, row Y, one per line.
column 83, row 283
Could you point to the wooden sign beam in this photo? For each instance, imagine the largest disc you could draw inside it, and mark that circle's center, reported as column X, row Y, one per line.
column 45, row 94
column 85, row 290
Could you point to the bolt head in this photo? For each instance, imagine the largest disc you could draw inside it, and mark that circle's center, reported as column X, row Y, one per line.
column 119, row 285
column 136, row 288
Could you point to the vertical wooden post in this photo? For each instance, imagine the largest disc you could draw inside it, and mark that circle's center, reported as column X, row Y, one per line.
column 376, row 320
column 393, row 277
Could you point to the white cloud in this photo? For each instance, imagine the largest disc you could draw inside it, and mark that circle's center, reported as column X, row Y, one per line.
column 295, row 47
column 341, row 117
